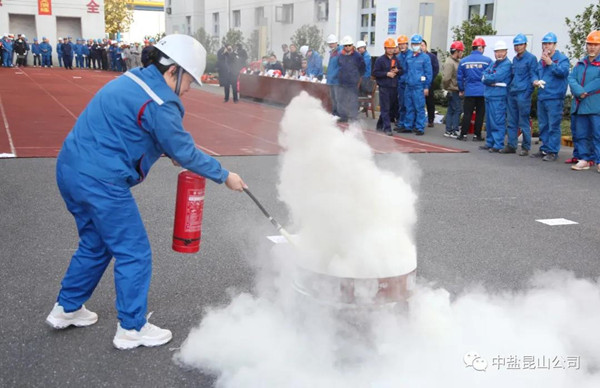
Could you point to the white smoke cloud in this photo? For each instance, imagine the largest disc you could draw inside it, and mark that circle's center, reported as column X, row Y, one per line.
column 546, row 335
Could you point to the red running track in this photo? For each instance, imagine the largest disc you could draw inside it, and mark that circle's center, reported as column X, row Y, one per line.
column 39, row 107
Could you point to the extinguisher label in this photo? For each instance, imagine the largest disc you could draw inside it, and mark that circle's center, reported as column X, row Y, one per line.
column 193, row 221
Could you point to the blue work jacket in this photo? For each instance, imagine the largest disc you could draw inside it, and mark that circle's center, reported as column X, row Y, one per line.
column 524, row 70
column 418, row 71
column 585, row 78
column 496, row 78
column 470, row 70
column 555, row 76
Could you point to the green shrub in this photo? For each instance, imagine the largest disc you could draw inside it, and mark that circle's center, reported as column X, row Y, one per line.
column 211, row 63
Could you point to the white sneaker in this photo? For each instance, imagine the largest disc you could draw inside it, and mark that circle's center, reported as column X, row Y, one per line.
column 58, row 319
column 149, row 335
column 581, row 165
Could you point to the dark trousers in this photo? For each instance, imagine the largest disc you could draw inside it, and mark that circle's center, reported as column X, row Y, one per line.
column 387, row 96
column 347, row 101
column 233, row 86
column 471, row 104
column 430, row 103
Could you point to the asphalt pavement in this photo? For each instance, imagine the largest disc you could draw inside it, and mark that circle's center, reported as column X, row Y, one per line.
column 477, row 224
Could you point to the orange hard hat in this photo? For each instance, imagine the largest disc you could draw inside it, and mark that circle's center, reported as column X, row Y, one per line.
column 402, row 39
column 593, row 37
column 389, row 43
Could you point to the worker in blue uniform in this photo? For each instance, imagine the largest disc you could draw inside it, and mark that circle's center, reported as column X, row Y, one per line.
column 386, row 71
column 7, row 51
column 470, row 70
column 524, row 71
column 366, row 83
column 553, row 70
column 314, row 63
column 332, row 72
column 37, row 53
column 46, row 49
column 418, row 80
column 59, row 52
column 403, row 52
column 496, row 79
column 78, row 54
column 68, row 48
column 584, row 82
column 351, row 69
column 122, row 132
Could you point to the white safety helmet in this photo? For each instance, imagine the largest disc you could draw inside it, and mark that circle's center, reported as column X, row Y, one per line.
column 361, row 43
column 346, row 40
column 185, row 51
column 500, row 45
column 303, row 50
column 23, row 36
column 332, row 39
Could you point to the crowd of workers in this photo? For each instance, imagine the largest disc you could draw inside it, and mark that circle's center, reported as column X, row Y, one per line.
column 501, row 91
column 100, row 54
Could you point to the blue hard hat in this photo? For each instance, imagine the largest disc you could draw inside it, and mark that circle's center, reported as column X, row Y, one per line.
column 519, row 39
column 35, row 39
column 549, row 38
column 152, row 40
column 43, row 38
column 416, row 39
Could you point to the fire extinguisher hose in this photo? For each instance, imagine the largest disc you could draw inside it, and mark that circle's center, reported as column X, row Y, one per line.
column 277, row 225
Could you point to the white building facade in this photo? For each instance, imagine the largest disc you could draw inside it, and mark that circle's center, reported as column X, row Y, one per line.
column 276, row 20
column 510, row 17
column 148, row 20
column 53, row 19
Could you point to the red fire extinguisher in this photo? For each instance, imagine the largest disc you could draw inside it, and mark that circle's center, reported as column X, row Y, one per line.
column 187, row 228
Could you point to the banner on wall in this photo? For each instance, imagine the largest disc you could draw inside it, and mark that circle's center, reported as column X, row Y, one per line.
column 392, row 20
column 44, row 7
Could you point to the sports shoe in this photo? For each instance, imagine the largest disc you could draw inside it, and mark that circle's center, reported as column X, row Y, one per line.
column 461, row 137
column 494, row 150
column 448, row 133
column 455, row 134
column 524, row 152
column 148, row 335
column 507, row 150
column 539, row 154
column 419, row 133
column 581, row 165
column 484, row 147
column 572, row 160
column 477, row 138
column 550, row 157
column 58, row 319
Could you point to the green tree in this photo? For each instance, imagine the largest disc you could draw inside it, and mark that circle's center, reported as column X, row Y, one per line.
column 233, row 38
column 252, row 44
column 309, row 35
column 580, row 27
column 207, row 40
column 117, row 16
column 469, row 29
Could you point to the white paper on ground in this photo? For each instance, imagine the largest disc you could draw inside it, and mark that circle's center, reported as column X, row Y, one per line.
column 557, row 221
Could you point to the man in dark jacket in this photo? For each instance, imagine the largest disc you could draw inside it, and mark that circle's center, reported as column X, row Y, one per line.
column 352, row 68
column 295, row 61
column 435, row 68
column 228, row 71
column 386, row 71
column 20, row 48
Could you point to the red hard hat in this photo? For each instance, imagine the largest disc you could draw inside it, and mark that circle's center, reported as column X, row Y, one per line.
column 458, row 45
column 478, row 42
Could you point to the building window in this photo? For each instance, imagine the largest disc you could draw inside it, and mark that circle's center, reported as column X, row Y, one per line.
column 284, row 13
column 259, row 16
column 215, row 23
column 188, row 21
column 489, row 12
column 237, row 18
column 483, row 8
column 367, row 21
column 322, row 8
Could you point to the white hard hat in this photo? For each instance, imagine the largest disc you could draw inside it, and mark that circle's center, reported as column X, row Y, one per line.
column 23, row 36
column 186, row 51
column 500, row 45
column 361, row 43
column 332, row 39
column 346, row 40
column 303, row 50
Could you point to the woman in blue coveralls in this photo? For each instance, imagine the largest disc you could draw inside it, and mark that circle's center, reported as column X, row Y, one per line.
column 125, row 128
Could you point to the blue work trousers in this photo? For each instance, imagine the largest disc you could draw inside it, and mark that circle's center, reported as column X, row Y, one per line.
column 454, row 111
column 495, row 112
column 333, row 93
column 414, row 101
column 47, row 60
column 549, row 117
column 109, row 225
column 60, row 59
column 519, row 110
column 80, row 61
column 401, row 108
column 6, row 58
column 586, row 137
column 386, row 101
column 347, row 102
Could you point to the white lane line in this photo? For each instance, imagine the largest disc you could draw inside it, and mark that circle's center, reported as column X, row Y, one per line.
column 557, row 221
column 231, row 128
column 51, row 96
column 10, row 141
column 207, row 150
